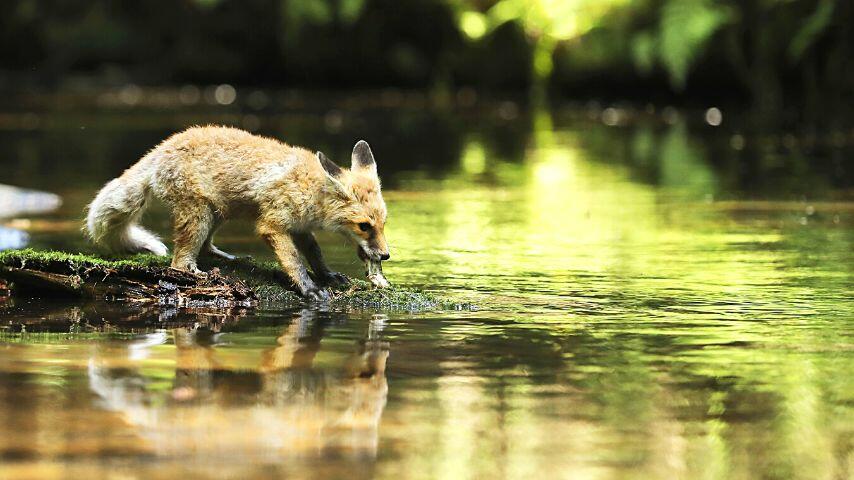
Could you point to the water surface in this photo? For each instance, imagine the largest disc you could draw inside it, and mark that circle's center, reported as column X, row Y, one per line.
column 655, row 300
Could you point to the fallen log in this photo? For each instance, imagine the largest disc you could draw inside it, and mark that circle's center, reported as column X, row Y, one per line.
column 149, row 279
column 55, row 273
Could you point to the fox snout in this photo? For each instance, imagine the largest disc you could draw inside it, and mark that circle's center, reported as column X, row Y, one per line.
column 380, row 247
column 368, row 252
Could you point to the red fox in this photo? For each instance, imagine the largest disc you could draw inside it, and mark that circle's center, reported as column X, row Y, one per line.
column 208, row 174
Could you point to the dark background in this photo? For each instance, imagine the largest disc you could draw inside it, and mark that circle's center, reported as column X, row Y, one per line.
column 789, row 63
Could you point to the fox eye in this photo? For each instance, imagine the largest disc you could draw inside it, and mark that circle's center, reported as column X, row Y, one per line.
column 364, row 226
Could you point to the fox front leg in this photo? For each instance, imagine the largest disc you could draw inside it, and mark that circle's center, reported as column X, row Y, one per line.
column 288, row 256
column 307, row 245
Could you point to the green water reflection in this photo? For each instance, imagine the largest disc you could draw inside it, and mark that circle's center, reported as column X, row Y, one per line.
column 630, row 325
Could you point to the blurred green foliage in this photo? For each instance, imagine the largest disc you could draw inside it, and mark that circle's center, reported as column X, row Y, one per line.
column 812, row 29
column 764, row 44
column 680, row 37
column 770, row 54
column 545, row 23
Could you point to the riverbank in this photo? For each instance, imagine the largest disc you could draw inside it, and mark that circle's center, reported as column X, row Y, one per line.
column 149, row 279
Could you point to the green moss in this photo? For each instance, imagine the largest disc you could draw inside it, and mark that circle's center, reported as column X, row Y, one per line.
column 30, row 258
column 265, row 278
column 272, row 287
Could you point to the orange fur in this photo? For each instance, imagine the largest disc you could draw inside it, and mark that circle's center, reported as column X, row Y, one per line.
column 209, row 174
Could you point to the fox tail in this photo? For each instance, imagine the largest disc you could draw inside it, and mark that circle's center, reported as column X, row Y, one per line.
column 112, row 218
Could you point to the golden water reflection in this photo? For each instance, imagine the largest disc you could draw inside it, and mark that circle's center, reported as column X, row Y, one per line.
column 625, row 329
column 189, row 394
column 212, row 407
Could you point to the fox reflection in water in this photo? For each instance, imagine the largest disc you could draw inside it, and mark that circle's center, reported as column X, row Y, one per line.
column 283, row 407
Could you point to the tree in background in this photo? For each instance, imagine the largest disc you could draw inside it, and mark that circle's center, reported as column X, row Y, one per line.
column 761, row 40
column 546, row 24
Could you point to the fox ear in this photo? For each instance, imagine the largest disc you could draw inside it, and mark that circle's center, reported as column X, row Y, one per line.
column 363, row 158
column 333, row 171
column 328, row 165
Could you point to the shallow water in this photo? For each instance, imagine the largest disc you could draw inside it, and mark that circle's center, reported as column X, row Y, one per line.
column 654, row 301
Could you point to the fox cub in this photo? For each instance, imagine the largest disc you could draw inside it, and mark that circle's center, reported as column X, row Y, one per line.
column 208, row 174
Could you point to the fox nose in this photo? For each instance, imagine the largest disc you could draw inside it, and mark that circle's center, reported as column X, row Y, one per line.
column 385, row 256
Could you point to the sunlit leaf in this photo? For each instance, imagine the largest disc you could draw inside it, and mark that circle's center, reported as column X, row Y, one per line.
column 349, row 10
column 297, row 15
column 643, row 52
column 811, row 29
column 545, row 22
column 473, row 24
column 686, row 26
column 313, row 12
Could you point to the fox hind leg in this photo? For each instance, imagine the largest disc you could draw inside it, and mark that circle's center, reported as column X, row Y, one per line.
column 193, row 223
column 216, row 252
column 210, row 248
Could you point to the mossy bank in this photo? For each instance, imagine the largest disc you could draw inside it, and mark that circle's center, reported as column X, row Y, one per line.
column 148, row 278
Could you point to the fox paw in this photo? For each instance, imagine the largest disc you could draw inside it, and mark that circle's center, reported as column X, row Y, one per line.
column 191, row 268
column 317, row 295
column 336, row 279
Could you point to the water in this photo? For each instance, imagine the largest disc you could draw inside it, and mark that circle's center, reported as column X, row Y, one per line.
column 654, row 301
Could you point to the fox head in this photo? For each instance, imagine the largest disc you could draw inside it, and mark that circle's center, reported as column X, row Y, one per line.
column 360, row 213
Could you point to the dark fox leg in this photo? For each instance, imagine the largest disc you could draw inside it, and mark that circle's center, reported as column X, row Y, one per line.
column 210, row 248
column 307, row 245
column 193, row 223
column 288, row 256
